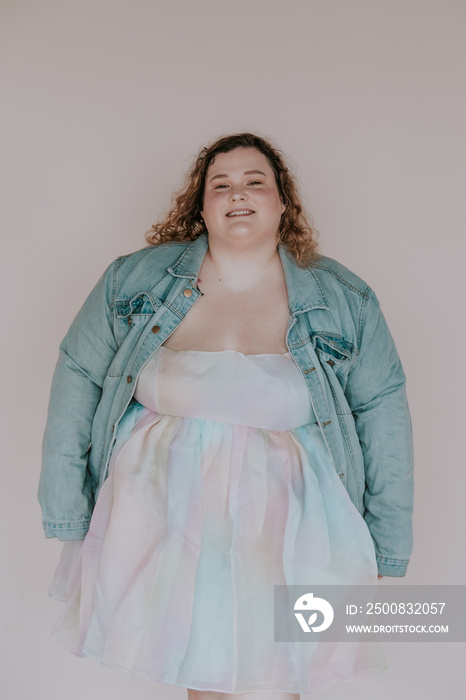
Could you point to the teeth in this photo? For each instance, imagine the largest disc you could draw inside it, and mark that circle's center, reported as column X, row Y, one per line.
column 240, row 212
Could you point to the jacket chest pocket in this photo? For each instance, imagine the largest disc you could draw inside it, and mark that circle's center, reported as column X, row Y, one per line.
column 335, row 355
column 132, row 314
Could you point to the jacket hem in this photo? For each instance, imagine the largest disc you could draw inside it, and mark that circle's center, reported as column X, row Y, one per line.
column 391, row 567
column 66, row 531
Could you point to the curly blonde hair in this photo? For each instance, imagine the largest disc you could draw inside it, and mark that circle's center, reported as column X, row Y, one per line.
column 183, row 222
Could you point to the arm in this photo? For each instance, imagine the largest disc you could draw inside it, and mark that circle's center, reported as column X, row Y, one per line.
column 376, row 394
column 65, row 487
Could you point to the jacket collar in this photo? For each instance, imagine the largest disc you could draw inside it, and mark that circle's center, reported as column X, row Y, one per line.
column 304, row 290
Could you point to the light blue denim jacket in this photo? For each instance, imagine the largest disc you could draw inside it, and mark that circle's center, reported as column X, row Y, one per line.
column 336, row 334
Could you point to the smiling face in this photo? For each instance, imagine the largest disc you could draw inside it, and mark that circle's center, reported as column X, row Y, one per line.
column 241, row 199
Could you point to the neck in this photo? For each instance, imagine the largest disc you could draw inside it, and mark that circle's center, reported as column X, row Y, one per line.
column 240, row 270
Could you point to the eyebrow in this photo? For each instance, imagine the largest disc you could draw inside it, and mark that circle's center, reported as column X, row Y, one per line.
column 246, row 172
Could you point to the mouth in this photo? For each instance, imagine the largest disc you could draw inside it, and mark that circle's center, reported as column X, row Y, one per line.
column 240, row 212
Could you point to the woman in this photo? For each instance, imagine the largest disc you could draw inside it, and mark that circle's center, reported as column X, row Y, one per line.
column 236, row 405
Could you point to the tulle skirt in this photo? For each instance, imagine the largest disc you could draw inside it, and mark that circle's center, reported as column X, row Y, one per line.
column 195, row 524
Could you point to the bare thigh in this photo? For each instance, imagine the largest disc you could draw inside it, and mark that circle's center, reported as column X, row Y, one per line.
column 263, row 695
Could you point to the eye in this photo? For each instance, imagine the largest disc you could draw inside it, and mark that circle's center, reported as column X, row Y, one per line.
column 255, row 182
column 218, row 187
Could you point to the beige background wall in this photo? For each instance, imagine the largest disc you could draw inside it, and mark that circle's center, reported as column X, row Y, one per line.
column 103, row 105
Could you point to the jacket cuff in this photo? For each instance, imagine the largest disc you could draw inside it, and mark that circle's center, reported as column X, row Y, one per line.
column 65, row 531
column 391, row 567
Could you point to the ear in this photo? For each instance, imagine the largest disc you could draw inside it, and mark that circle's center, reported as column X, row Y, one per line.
column 283, row 207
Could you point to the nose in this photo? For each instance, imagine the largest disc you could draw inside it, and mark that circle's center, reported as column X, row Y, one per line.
column 237, row 193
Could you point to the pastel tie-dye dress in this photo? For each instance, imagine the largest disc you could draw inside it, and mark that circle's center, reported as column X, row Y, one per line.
column 220, row 486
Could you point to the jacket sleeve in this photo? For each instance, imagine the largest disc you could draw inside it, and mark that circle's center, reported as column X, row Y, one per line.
column 376, row 394
column 65, row 486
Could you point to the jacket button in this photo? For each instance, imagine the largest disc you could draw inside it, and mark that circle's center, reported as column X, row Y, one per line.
column 330, row 362
column 326, row 422
column 188, row 292
column 155, row 329
column 342, row 474
column 129, row 379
